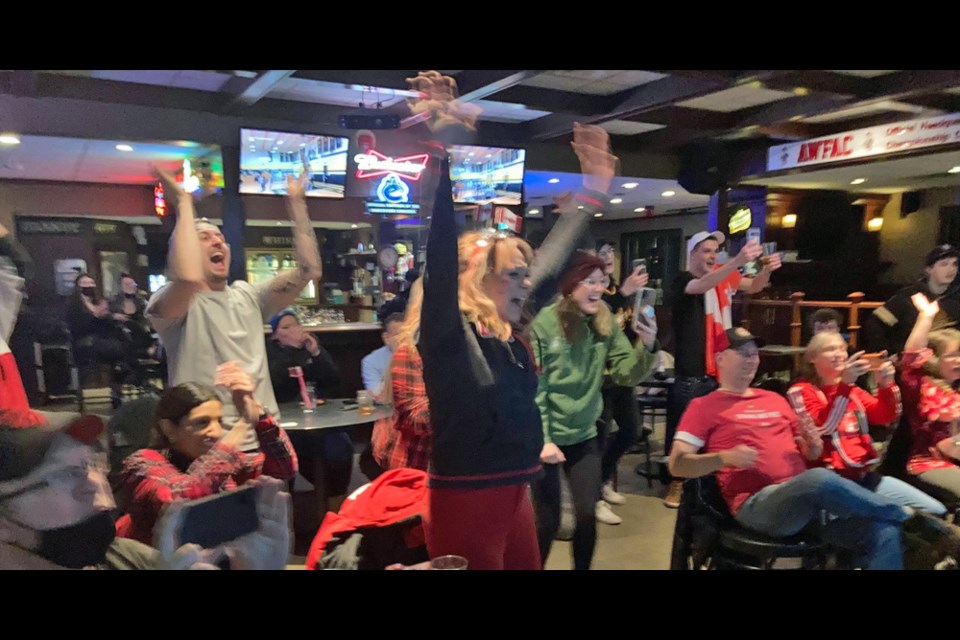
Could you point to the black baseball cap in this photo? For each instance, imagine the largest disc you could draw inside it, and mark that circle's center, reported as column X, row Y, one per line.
column 737, row 337
column 939, row 253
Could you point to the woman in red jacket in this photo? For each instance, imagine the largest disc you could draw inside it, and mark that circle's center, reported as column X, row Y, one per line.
column 193, row 457
column 842, row 412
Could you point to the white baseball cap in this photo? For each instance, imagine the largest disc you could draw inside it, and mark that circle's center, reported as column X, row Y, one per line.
column 700, row 236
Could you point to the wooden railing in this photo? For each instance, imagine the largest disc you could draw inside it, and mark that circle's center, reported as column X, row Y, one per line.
column 854, row 303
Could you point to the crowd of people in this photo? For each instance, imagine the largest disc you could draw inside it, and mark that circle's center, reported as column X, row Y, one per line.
column 504, row 367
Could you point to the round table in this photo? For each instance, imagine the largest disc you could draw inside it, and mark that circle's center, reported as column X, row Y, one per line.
column 331, row 415
column 303, row 427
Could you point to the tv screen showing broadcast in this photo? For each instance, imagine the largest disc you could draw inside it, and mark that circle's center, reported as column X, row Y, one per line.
column 268, row 157
column 486, row 174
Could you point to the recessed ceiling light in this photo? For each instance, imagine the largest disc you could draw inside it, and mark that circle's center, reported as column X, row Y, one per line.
column 303, row 144
column 279, row 224
column 631, row 185
column 858, row 181
column 639, row 209
column 353, row 226
column 580, row 207
column 243, row 73
column 800, row 91
column 954, row 170
column 668, row 194
column 533, row 212
column 9, row 138
column 551, row 180
column 470, row 154
column 598, row 214
column 124, row 147
column 616, row 201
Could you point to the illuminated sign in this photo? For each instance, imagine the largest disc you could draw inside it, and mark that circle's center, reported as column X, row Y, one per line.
column 373, row 164
column 159, row 203
column 740, row 220
column 393, row 189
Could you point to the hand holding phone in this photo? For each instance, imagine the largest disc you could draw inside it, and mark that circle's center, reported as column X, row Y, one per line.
column 220, row 518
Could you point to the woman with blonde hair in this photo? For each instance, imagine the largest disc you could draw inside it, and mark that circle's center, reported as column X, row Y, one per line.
column 574, row 341
column 404, row 438
column 480, row 376
column 930, row 377
column 828, row 399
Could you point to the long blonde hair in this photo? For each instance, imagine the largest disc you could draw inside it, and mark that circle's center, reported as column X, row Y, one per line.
column 939, row 341
column 476, row 262
column 407, row 336
column 816, row 346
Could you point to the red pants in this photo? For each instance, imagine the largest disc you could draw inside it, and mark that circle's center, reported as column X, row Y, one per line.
column 492, row 528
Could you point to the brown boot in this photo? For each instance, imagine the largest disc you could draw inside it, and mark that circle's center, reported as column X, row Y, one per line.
column 672, row 499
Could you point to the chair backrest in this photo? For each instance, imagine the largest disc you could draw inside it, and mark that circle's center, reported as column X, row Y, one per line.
column 701, row 516
column 128, row 431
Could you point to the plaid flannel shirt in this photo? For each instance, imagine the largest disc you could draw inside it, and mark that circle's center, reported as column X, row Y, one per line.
column 405, row 438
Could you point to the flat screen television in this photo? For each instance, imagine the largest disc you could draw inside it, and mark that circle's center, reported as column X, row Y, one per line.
column 486, row 174
column 268, row 157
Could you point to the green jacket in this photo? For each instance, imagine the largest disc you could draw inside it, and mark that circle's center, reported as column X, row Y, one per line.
column 568, row 390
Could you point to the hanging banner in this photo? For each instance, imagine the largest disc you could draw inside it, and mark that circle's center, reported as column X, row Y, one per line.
column 866, row 143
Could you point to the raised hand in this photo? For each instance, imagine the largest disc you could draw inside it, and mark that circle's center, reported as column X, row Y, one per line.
column 774, row 262
column 241, row 386
column 634, row 282
column 927, row 308
column 597, row 164
column 297, row 187
column 750, row 251
column 438, row 98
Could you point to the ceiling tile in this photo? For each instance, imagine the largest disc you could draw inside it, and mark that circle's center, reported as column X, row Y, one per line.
column 735, row 98
column 629, row 128
column 863, row 74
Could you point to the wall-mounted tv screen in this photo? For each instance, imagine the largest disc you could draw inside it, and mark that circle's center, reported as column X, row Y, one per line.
column 486, row 174
column 268, row 157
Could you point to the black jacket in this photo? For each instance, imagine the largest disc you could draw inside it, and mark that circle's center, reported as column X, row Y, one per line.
column 486, row 424
column 321, row 370
column 889, row 326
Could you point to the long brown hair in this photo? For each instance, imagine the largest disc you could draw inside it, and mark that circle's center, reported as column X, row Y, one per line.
column 480, row 254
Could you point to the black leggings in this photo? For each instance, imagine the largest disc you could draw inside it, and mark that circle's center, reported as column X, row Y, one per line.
column 620, row 404
column 582, row 468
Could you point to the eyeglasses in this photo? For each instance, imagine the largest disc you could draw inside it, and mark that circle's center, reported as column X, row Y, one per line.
column 607, row 251
column 951, row 356
column 65, row 476
column 603, row 283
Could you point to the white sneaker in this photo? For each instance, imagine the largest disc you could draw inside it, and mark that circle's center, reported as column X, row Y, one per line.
column 605, row 515
column 610, row 495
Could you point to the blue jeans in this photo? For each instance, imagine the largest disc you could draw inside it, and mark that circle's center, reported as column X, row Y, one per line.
column 909, row 496
column 864, row 520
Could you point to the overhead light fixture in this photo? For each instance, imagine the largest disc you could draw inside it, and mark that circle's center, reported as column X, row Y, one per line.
column 639, row 209
column 954, row 170
column 631, row 185
column 801, row 91
column 353, row 226
column 598, row 214
column 553, row 180
column 9, row 138
column 533, row 212
column 668, row 194
column 796, row 118
column 580, row 207
column 124, row 147
column 616, row 201
column 789, row 221
column 858, row 181
column 875, row 224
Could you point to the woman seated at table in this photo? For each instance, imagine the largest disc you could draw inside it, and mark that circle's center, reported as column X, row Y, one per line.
column 291, row 346
column 96, row 332
column 192, row 457
column 127, row 307
column 827, row 396
column 404, row 439
column 932, row 405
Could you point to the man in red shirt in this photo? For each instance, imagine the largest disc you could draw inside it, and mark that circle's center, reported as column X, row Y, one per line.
column 759, row 449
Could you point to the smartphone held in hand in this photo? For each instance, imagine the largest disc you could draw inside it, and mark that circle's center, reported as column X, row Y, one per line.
column 638, row 262
column 643, row 306
column 220, row 518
